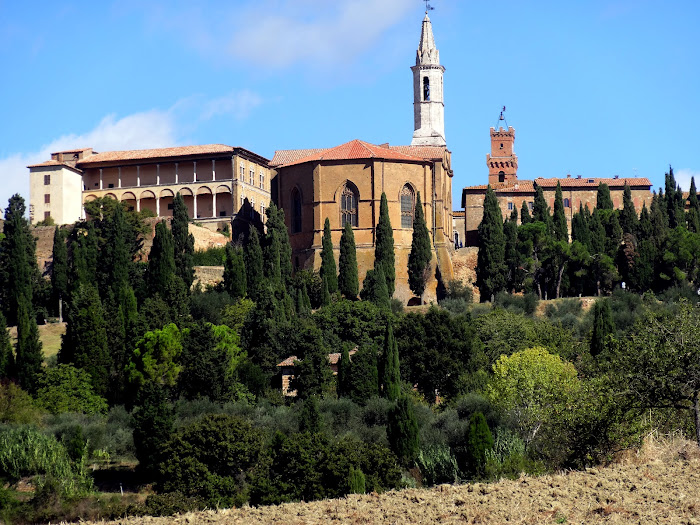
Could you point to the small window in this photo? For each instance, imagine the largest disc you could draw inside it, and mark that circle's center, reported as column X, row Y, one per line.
column 501, row 145
column 262, row 180
column 348, row 206
column 170, row 206
column 501, row 176
column 510, row 206
column 567, row 203
column 591, row 181
column 47, row 180
column 252, row 176
column 530, row 205
column 426, row 88
column 242, row 170
column 110, row 185
column 407, row 207
column 97, row 184
column 47, row 198
column 47, row 214
column 222, row 213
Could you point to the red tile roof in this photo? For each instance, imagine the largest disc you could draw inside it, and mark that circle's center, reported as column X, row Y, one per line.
column 48, row 163
column 583, row 182
column 424, row 152
column 288, row 156
column 458, row 213
column 356, row 149
column 333, row 358
column 520, row 186
column 142, row 154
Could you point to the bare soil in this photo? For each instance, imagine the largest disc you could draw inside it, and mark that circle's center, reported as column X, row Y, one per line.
column 660, row 484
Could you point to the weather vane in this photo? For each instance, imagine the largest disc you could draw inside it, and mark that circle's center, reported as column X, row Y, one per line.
column 428, row 7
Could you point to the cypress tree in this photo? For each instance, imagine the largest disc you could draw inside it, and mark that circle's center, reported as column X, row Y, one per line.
column 693, row 216
column 613, row 233
column 490, row 266
column 85, row 342
column 275, row 223
column 580, row 229
column 271, row 261
column 325, row 294
column 646, row 230
column 525, row 214
column 7, row 358
column 560, row 228
column 603, row 326
column 183, row 241
column 540, row 210
column 253, row 259
column 115, row 255
column 421, row 252
column 391, row 377
column 234, row 272
column 603, row 199
column 384, row 257
column 402, row 431
column 344, row 371
column 659, row 221
column 374, row 288
column 328, row 269
column 153, row 425
column 628, row 216
column 348, row 282
column 29, row 355
column 479, row 441
column 59, row 270
column 356, row 481
column 511, row 257
column 18, row 266
column 84, row 256
column 675, row 204
column 364, row 375
column 161, row 261
column 597, row 230
column 310, row 416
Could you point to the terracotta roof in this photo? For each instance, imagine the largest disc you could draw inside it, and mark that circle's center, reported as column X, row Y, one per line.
column 425, row 152
column 458, row 213
column 288, row 156
column 333, row 358
column 49, row 163
column 139, row 154
column 521, row 186
column 571, row 182
column 76, row 150
column 356, row 149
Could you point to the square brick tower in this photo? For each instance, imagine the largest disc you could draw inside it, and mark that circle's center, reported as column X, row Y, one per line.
column 502, row 162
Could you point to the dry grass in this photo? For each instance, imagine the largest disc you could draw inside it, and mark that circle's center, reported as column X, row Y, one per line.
column 658, row 484
column 50, row 335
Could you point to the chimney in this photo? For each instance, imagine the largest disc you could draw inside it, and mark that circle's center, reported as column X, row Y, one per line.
column 578, row 176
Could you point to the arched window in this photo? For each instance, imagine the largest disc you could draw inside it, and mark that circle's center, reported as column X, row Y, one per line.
column 501, row 176
column 407, row 205
column 348, row 206
column 296, row 211
column 567, row 203
column 426, row 88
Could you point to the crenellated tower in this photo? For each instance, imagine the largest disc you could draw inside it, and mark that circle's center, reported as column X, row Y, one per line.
column 502, row 162
column 428, row 102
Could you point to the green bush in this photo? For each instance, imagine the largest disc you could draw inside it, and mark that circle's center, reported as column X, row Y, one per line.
column 437, row 465
column 213, row 256
column 479, row 442
column 17, row 406
column 356, row 481
column 64, row 388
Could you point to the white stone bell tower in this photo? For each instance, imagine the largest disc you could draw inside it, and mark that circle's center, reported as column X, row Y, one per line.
column 428, row 102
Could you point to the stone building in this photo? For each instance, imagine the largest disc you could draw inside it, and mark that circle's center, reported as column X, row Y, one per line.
column 218, row 182
column 345, row 183
column 511, row 192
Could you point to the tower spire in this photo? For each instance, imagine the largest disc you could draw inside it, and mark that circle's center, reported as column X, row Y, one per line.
column 428, row 105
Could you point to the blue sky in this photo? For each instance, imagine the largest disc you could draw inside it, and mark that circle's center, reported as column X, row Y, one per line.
column 597, row 88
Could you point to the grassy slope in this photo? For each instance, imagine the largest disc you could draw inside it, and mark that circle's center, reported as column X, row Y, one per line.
column 50, row 335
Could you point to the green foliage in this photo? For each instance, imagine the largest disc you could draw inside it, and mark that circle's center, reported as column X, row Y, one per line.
column 603, row 199
column 234, row 272
column 348, row 281
column 525, row 216
column 161, row 261
column 7, row 357
column 156, row 357
column 328, row 271
column 421, row 252
column 211, row 459
column 374, row 288
column 479, row 443
column 276, row 226
column 234, row 315
column 253, row 259
column 59, row 266
column 356, row 481
column 210, row 305
column 560, row 228
column 183, row 242
column 313, row 375
column 534, row 386
column 28, row 353
column 65, row 388
column 212, row 256
column 153, row 426
column 437, row 464
column 402, row 431
column 17, row 406
column 391, row 375
column 628, row 216
column 384, row 257
column 603, row 326
column 310, row 416
column 344, row 373
column 363, row 383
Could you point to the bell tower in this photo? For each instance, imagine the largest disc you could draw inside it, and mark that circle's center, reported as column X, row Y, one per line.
column 428, row 102
column 502, row 162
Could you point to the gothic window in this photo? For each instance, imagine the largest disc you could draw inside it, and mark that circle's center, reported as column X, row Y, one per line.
column 296, row 211
column 348, row 206
column 407, row 205
column 501, row 176
column 426, row 88
column 567, row 203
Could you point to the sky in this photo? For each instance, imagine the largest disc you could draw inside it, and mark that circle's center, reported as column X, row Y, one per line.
column 595, row 88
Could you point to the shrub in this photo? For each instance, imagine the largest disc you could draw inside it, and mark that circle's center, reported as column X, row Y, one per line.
column 479, row 441
column 356, row 481
column 402, row 431
column 209, row 306
column 17, row 406
column 213, row 256
column 437, row 465
column 64, row 388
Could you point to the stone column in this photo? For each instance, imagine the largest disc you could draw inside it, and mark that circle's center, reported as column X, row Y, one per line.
column 120, row 177
column 138, row 176
column 100, row 178
column 157, row 174
column 138, row 205
column 176, row 182
column 194, row 171
column 194, row 200
column 213, row 169
column 213, row 203
column 157, row 206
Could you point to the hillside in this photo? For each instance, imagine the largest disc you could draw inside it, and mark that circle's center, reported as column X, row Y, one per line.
column 660, row 485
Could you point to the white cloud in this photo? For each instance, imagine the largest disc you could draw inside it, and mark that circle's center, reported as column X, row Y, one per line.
column 683, row 177
column 150, row 129
column 238, row 104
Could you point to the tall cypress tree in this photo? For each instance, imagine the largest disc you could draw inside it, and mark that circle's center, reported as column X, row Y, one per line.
column 344, row 373
column 18, row 266
column 84, row 255
column 421, row 252
column 234, row 272
column 253, row 259
column 490, row 266
column 7, row 358
column 59, row 270
column 560, row 228
column 183, row 241
column 603, row 326
column 161, row 261
column 603, row 199
column 328, row 270
column 646, row 230
column 271, row 261
column 675, row 204
column 391, row 376
column 580, row 230
column 540, row 210
column 659, row 221
column 275, row 223
column 693, row 216
column 511, row 256
column 628, row 216
column 402, row 431
column 384, row 246
column 525, row 214
column 597, row 230
column 29, row 355
column 348, row 281
column 374, row 288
